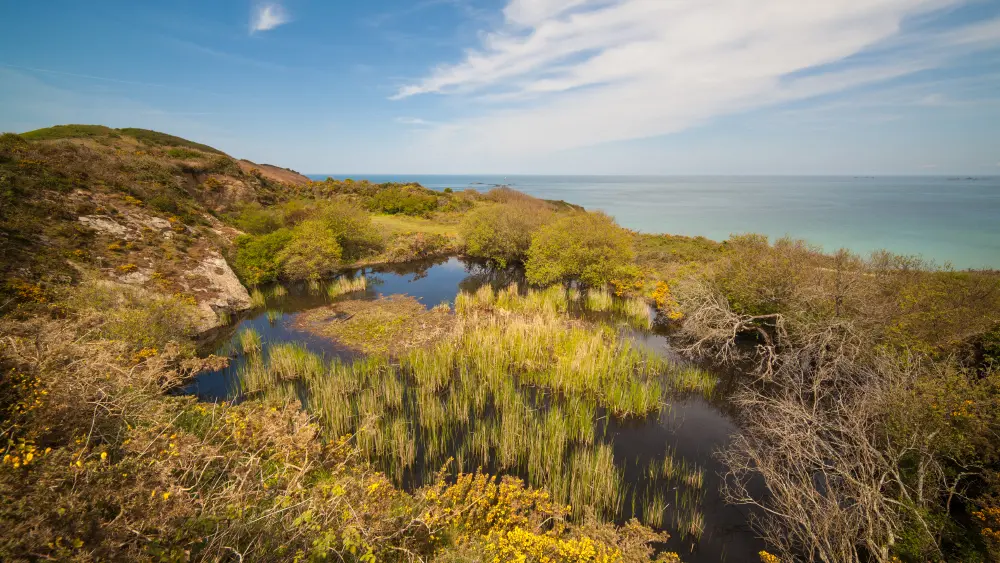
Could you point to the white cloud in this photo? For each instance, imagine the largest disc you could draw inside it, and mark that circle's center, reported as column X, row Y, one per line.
column 561, row 74
column 267, row 16
column 415, row 121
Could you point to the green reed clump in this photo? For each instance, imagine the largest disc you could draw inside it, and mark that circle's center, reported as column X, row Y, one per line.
column 654, row 506
column 637, row 312
column 293, row 361
column 345, row 285
column 273, row 315
column 692, row 379
column 573, row 294
column 254, row 377
column 278, row 291
column 432, row 368
column 250, row 341
column 599, row 299
column 257, row 299
column 225, row 318
column 482, row 300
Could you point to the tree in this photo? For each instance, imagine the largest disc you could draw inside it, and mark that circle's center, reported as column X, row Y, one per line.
column 502, row 233
column 311, row 253
column 588, row 247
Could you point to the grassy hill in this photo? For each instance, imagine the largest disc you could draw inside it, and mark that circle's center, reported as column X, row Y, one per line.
column 143, row 136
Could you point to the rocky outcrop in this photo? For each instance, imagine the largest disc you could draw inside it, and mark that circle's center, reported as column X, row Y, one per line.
column 224, row 292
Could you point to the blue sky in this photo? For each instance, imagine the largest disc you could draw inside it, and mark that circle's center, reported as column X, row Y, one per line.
column 526, row 86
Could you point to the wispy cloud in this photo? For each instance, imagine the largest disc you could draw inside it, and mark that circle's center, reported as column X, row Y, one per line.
column 268, row 15
column 415, row 121
column 560, row 74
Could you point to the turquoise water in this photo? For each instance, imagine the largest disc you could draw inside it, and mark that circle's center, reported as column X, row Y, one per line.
column 954, row 220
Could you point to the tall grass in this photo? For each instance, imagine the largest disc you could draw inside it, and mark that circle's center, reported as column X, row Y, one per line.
column 599, row 299
column 257, row 299
column 250, row 341
column 517, row 388
column 345, row 285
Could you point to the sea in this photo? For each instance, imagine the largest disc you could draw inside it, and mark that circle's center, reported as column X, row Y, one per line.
column 952, row 221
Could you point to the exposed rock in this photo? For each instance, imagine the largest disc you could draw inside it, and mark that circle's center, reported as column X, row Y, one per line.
column 104, row 224
column 225, row 292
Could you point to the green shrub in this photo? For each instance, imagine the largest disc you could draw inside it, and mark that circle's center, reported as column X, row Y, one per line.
column 257, row 256
column 353, row 229
column 258, row 220
column 397, row 200
column 163, row 203
column 760, row 279
column 416, row 246
column 502, row 233
column 311, row 253
column 70, row 132
column 589, row 247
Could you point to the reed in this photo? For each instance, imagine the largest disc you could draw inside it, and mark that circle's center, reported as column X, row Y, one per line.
column 692, row 379
column 599, row 299
column 257, row 299
column 225, row 318
column 293, row 361
column 273, row 315
column 278, row 291
column 637, row 312
column 250, row 341
column 345, row 285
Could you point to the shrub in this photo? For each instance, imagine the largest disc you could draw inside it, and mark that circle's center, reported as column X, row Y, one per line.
column 258, row 220
column 164, row 203
column 416, row 246
column 352, row 228
column 589, row 247
column 136, row 317
column 397, row 200
column 257, row 256
column 502, row 233
column 311, row 252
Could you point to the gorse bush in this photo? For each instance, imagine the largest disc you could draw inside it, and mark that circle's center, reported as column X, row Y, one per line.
column 588, row 247
column 257, row 258
column 312, row 252
column 352, row 228
column 502, row 233
column 400, row 200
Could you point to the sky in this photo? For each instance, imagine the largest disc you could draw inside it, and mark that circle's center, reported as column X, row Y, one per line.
column 526, row 86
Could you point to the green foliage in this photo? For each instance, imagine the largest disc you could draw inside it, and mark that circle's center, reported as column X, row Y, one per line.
column 399, row 200
column 311, row 253
column 352, row 228
column 257, row 256
column 502, row 233
column 155, row 138
column 759, row 279
column 417, row 246
column 69, row 132
column 144, row 136
column 258, row 220
column 589, row 247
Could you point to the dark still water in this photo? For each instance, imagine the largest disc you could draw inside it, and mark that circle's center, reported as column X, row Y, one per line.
column 943, row 219
column 686, row 433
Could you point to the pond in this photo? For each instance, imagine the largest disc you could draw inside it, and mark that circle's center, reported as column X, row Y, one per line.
column 665, row 473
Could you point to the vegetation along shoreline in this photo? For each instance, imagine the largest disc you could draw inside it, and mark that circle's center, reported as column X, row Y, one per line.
column 481, row 426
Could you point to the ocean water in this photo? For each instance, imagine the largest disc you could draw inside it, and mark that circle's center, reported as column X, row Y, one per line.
column 952, row 220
